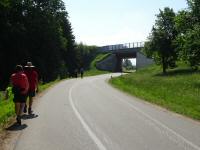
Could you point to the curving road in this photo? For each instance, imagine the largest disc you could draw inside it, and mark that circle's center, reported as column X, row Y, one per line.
column 88, row 114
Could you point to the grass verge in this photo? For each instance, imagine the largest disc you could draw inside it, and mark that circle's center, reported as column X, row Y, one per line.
column 93, row 70
column 178, row 91
column 7, row 105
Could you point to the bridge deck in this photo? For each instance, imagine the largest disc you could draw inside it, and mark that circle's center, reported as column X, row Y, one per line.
column 122, row 46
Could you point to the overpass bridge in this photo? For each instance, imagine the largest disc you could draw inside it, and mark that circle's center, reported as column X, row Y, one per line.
column 123, row 51
column 120, row 47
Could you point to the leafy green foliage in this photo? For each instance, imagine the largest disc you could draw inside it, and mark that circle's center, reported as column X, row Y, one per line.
column 6, row 105
column 188, row 27
column 37, row 31
column 127, row 65
column 85, row 55
column 194, row 7
column 183, row 21
column 160, row 45
column 176, row 36
column 191, row 47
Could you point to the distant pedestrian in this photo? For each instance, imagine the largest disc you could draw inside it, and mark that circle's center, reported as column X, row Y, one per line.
column 20, row 88
column 32, row 75
column 82, row 72
column 76, row 73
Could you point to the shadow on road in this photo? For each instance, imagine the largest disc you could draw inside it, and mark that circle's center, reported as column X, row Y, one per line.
column 16, row 127
column 25, row 116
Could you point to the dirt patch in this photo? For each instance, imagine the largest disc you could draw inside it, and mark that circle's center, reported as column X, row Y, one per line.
column 8, row 138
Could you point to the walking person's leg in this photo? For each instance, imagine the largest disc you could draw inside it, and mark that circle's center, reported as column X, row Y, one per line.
column 25, row 102
column 22, row 105
column 17, row 108
column 25, row 108
column 31, row 98
column 18, row 112
column 30, row 105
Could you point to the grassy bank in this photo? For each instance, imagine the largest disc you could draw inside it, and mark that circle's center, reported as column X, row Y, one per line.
column 7, row 105
column 93, row 70
column 178, row 91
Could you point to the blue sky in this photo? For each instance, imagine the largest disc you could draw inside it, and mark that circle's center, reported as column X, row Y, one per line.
column 106, row 22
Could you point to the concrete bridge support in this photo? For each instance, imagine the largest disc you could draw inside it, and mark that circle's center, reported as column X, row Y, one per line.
column 121, row 51
column 108, row 64
column 142, row 61
column 113, row 62
column 118, row 67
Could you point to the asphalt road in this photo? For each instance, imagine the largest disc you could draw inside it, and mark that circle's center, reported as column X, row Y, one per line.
column 88, row 114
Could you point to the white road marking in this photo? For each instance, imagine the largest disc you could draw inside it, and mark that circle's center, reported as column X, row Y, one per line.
column 85, row 126
column 185, row 143
column 164, row 127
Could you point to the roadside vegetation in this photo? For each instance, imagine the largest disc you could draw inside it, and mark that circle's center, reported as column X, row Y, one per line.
column 178, row 90
column 7, row 105
column 173, row 42
column 175, row 37
column 90, row 56
column 36, row 31
column 93, row 70
column 127, row 66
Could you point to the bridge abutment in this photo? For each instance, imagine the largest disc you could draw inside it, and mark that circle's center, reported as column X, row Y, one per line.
column 121, row 51
column 142, row 61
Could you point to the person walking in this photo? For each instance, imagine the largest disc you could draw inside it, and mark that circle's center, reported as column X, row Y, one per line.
column 33, row 85
column 20, row 88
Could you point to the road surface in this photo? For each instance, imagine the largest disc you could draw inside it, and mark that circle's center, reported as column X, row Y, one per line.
column 88, row 114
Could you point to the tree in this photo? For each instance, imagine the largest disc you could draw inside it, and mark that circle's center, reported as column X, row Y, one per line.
column 160, row 45
column 191, row 47
column 127, row 64
column 85, row 54
column 183, row 21
column 188, row 27
column 37, row 31
column 194, row 7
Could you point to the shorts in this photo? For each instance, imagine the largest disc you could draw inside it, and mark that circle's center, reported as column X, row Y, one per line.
column 19, row 98
column 31, row 93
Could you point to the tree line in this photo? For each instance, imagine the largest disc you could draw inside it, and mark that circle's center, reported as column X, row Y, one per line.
column 176, row 37
column 39, row 31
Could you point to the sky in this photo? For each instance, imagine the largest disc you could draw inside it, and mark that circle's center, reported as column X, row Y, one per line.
column 108, row 22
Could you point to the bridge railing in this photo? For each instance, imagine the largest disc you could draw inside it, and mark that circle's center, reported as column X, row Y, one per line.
column 122, row 46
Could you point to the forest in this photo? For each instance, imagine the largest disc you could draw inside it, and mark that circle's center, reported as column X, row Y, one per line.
column 39, row 31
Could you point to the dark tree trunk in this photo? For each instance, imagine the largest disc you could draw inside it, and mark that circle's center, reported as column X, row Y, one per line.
column 164, row 65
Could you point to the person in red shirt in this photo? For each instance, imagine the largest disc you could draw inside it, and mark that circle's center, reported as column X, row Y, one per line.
column 32, row 75
column 20, row 88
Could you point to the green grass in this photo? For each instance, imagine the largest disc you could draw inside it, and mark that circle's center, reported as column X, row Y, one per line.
column 93, row 70
column 7, row 105
column 178, row 91
column 6, row 110
column 43, row 87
